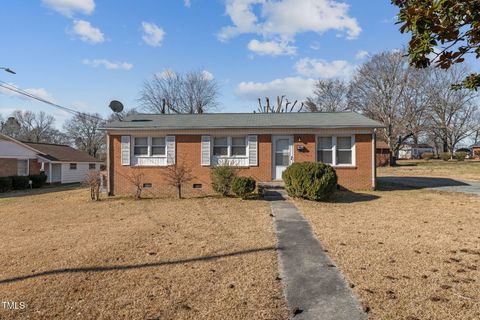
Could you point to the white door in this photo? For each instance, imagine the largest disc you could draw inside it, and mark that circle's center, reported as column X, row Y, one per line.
column 282, row 155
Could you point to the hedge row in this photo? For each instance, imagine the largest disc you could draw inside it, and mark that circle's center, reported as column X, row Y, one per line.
column 22, row 182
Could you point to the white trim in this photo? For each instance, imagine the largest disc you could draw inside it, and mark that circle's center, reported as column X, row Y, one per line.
column 273, row 151
column 374, row 159
column 108, row 164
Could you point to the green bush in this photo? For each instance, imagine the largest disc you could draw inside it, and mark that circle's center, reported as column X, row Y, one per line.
column 445, row 156
column 38, row 180
column 5, row 184
column 20, row 182
column 310, row 180
column 222, row 178
column 243, row 186
column 460, row 155
column 427, row 156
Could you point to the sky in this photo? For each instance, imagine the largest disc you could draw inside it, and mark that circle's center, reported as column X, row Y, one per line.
column 84, row 53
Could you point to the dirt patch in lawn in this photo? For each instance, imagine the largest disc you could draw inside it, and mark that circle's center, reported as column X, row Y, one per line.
column 67, row 257
column 407, row 254
column 467, row 170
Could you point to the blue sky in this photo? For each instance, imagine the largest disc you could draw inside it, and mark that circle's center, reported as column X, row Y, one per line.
column 84, row 53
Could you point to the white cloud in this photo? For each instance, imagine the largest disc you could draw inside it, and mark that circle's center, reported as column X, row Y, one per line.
column 293, row 87
column 285, row 19
column 207, row 75
column 362, row 54
column 38, row 92
column 153, row 35
column 69, row 7
column 271, row 48
column 187, row 3
column 110, row 65
column 87, row 32
column 318, row 68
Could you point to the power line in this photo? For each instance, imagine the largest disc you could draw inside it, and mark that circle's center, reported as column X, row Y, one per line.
column 15, row 89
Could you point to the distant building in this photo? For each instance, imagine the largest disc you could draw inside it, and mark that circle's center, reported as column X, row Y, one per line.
column 475, row 150
column 382, row 154
column 414, row 151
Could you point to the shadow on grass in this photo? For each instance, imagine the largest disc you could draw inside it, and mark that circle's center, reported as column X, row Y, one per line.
column 347, row 196
column 45, row 189
column 414, row 183
column 135, row 266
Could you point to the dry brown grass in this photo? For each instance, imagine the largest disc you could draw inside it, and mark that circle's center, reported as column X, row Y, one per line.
column 125, row 259
column 468, row 170
column 409, row 254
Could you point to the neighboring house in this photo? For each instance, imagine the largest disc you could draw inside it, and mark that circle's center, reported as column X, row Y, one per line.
column 475, row 150
column 414, row 151
column 259, row 145
column 383, row 153
column 61, row 163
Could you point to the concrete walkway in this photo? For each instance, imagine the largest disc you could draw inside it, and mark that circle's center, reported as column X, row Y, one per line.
column 314, row 287
column 440, row 184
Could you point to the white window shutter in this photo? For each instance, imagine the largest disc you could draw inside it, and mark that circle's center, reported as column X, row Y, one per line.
column 125, row 150
column 170, row 144
column 253, row 150
column 206, row 150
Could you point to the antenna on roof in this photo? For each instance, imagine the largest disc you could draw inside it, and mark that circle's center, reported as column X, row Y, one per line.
column 116, row 106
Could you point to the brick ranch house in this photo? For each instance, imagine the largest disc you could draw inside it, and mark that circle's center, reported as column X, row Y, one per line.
column 259, row 145
column 61, row 163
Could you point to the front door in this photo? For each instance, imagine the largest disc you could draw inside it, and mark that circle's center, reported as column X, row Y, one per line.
column 282, row 155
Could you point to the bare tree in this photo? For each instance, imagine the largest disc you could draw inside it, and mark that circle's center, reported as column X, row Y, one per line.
column 174, row 92
column 283, row 105
column 93, row 180
column 32, row 126
column 11, row 127
column 452, row 113
column 329, row 96
column 137, row 179
column 379, row 89
column 177, row 175
column 84, row 132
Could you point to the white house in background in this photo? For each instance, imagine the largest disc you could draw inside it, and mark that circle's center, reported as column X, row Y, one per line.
column 414, row 151
column 61, row 163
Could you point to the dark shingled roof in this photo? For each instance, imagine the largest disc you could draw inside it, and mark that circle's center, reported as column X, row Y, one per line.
column 245, row 120
column 60, row 152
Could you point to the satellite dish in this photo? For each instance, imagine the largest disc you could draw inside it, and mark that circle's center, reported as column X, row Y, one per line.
column 116, row 106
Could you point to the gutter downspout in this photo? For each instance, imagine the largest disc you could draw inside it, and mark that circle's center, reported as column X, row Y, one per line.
column 108, row 166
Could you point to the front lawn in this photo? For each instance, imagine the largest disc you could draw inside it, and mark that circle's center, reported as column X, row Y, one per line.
column 69, row 258
column 407, row 254
column 468, row 169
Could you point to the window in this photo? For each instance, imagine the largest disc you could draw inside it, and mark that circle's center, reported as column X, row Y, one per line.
column 73, row 166
column 141, row 147
column 239, row 146
column 230, row 146
column 336, row 150
column 220, row 146
column 91, row 166
column 22, row 167
column 325, row 150
column 344, row 150
column 158, row 146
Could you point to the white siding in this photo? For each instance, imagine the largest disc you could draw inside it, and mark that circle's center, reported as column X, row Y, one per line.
column 78, row 175
column 10, row 149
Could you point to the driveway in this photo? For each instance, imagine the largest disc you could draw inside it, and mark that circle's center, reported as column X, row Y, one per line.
column 441, row 184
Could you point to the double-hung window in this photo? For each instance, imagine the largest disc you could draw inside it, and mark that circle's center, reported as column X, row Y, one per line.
column 140, row 146
column 158, row 146
column 336, row 150
column 230, row 146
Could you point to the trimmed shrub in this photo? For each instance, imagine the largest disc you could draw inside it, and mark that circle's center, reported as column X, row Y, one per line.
column 243, row 186
column 460, row 155
column 20, row 182
column 222, row 178
column 310, row 180
column 445, row 156
column 38, row 180
column 427, row 156
column 5, row 184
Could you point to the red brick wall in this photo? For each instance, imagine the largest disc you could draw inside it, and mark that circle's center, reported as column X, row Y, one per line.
column 34, row 166
column 188, row 152
column 8, row 167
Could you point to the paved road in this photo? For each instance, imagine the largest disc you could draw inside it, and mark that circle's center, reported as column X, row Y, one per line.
column 442, row 184
column 314, row 287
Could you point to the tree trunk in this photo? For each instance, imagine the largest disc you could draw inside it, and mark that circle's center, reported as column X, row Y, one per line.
column 179, row 191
